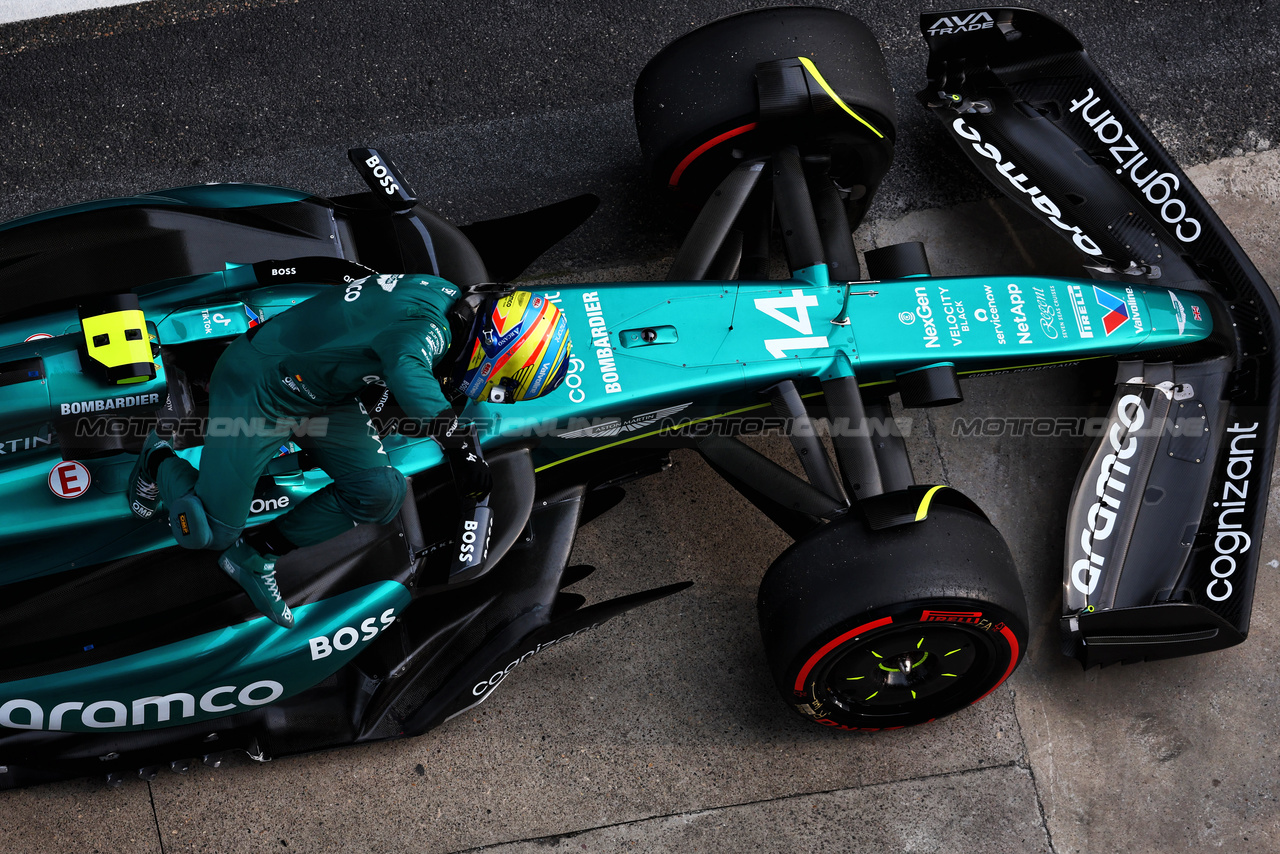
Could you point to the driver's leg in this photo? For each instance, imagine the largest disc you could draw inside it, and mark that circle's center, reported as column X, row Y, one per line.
column 365, row 487
column 208, row 508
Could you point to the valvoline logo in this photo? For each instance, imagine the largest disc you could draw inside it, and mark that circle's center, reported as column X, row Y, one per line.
column 1117, row 312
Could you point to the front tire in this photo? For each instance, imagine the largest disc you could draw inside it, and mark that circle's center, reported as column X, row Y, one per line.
column 869, row 630
column 696, row 103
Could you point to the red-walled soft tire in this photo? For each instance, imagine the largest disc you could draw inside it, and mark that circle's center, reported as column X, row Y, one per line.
column 695, row 101
column 871, row 630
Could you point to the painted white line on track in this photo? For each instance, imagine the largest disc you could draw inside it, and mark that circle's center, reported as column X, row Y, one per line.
column 25, row 10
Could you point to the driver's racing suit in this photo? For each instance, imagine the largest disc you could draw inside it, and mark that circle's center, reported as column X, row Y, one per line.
column 296, row 377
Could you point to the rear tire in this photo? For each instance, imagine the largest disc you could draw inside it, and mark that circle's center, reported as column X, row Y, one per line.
column 874, row 630
column 695, row 100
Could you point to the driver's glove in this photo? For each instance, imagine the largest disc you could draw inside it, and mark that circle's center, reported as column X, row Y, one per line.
column 462, row 450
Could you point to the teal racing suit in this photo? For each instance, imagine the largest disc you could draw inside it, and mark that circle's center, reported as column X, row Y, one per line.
column 295, row 378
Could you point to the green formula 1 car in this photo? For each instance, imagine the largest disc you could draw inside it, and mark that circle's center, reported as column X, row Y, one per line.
column 898, row 602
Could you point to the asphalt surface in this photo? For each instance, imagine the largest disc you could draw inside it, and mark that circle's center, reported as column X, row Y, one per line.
column 494, row 107
column 661, row 732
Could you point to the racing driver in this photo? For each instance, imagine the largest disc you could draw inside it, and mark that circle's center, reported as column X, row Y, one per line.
column 283, row 378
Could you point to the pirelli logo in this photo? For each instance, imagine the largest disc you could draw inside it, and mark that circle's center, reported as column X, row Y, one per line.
column 1081, row 312
column 973, row 617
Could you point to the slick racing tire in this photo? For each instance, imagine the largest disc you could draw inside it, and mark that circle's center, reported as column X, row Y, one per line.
column 696, row 101
column 870, row 630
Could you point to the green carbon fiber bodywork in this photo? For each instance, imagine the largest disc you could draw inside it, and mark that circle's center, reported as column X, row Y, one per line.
column 721, row 343
column 208, row 676
column 647, row 357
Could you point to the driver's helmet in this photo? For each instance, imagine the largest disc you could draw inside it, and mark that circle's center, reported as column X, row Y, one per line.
column 520, row 349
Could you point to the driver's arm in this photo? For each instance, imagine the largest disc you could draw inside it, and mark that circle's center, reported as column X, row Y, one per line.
column 408, row 351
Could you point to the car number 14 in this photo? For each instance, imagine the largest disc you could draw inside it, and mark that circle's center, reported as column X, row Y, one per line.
column 801, row 302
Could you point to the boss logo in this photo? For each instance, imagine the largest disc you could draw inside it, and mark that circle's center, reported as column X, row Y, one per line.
column 468, row 548
column 348, row 636
column 383, row 174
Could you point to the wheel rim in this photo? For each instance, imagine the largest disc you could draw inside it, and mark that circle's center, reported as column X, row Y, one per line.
column 904, row 670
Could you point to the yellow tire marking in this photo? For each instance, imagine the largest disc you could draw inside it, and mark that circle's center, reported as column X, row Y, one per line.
column 923, row 510
column 826, row 87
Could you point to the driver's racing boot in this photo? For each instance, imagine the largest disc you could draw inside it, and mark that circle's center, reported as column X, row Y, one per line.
column 142, row 491
column 256, row 573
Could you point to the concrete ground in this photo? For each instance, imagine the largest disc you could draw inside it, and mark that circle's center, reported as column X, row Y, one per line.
column 661, row 732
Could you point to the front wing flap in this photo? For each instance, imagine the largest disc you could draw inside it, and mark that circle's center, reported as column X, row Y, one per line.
column 1027, row 105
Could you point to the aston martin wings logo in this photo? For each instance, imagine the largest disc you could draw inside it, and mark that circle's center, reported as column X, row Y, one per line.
column 616, row 426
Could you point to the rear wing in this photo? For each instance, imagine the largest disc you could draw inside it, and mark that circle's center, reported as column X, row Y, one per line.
column 1017, row 92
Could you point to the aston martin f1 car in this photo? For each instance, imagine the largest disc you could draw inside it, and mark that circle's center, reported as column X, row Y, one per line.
column 897, row 603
